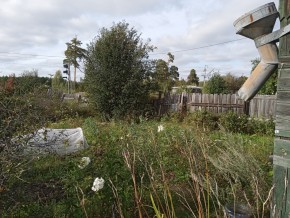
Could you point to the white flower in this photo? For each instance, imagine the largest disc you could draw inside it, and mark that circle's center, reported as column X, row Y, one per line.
column 160, row 128
column 84, row 162
column 98, row 184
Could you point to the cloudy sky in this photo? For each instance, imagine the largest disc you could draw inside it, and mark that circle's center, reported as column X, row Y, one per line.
column 200, row 34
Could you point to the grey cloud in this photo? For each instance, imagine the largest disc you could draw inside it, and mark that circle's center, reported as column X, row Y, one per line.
column 43, row 27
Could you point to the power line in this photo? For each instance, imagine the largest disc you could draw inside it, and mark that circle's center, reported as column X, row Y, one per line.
column 201, row 47
column 32, row 55
column 176, row 51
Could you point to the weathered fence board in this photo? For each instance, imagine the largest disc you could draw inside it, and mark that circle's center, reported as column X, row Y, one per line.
column 263, row 106
column 260, row 106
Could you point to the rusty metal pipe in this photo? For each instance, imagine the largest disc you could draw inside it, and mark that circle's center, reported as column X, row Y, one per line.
column 257, row 25
column 267, row 65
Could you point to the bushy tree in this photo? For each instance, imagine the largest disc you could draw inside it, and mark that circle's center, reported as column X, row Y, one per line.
column 233, row 83
column 193, row 78
column 215, row 85
column 118, row 71
column 166, row 74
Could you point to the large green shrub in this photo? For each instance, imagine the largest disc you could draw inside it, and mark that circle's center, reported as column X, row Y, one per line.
column 117, row 72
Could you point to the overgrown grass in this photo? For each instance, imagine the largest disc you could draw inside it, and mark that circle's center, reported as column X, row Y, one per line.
column 181, row 170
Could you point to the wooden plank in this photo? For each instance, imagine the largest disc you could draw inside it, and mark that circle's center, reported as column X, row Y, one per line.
column 280, row 174
column 211, row 100
column 196, row 99
column 284, row 73
column 229, row 102
column 205, row 101
column 189, row 100
column 282, row 122
column 236, row 103
column 232, row 102
column 200, row 100
column 221, row 98
column 283, row 84
column 281, row 161
column 215, row 101
column 261, row 107
column 282, row 148
column 283, row 108
column 220, row 103
column 283, row 96
column 253, row 107
column 239, row 110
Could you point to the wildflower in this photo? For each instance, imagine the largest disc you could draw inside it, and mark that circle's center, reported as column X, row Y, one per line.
column 98, row 184
column 84, row 162
column 160, row 128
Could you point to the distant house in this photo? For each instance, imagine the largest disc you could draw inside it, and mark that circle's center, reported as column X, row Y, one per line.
column 187, row 89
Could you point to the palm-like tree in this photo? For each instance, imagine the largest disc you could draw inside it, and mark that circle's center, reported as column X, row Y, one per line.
column 74, row 53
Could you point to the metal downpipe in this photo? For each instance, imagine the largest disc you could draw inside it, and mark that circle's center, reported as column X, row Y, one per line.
column 266, row 67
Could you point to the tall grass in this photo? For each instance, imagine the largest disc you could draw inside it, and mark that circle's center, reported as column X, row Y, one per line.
column 174, row 171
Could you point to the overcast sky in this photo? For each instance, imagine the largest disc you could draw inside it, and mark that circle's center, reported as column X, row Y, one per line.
column 33, row 33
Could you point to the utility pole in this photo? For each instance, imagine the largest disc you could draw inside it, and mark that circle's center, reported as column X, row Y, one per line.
column 281, row 154
column 204, row 75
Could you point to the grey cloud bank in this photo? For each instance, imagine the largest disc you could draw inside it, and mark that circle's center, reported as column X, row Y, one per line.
column 43, row 27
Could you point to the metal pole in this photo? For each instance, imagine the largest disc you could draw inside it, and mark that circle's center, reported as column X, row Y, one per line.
column 281, row 154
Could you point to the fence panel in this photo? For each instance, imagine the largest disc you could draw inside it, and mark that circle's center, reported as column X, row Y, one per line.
column 260, row 106
column 214, row 102
column 263, row 106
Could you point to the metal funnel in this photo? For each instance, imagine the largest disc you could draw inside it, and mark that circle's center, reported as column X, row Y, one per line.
column 255, row 25
column 257, row 22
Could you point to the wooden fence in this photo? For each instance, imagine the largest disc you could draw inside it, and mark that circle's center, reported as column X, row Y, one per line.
column 261, row 106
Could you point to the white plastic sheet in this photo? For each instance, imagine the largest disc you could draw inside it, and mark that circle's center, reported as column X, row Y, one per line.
column 59, row 141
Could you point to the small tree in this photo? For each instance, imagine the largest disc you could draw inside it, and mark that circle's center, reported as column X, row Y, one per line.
column 233, row 83
column 215, row 85
column 165, row 74
column 193, row 78
column 118, row 71
column 57, row 81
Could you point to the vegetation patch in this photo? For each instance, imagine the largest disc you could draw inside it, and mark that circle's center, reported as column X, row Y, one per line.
column 155, row 167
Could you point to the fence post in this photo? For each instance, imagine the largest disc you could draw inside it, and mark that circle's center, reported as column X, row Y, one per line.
column 159, row 103
column 184, row 105
column 247, row 107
